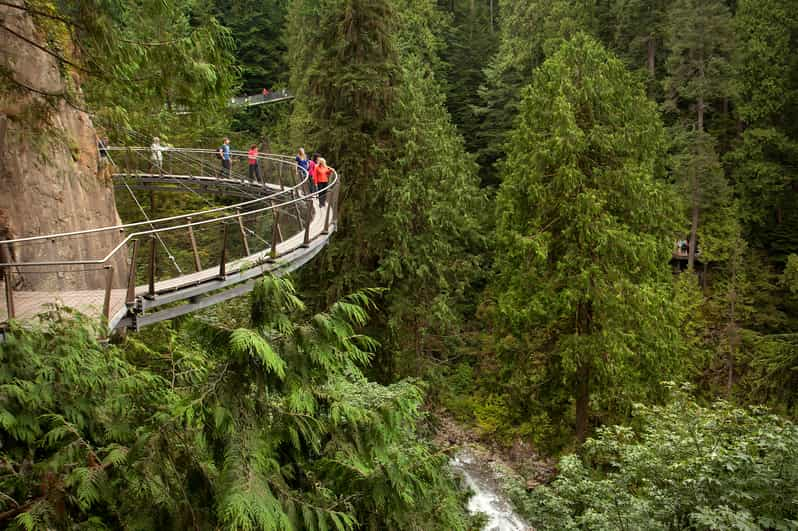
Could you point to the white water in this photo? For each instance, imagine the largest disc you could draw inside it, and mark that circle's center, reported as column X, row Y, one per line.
column 482, row 480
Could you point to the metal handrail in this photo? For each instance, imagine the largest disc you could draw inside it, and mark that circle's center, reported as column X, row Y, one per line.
column 131, row 236
column 270, row 157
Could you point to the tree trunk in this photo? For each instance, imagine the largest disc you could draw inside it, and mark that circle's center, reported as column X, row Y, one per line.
column 700, row 102
column 582, row 400
column 700, row 110
column 733, row 333
column 652, row 51
column 693, row 230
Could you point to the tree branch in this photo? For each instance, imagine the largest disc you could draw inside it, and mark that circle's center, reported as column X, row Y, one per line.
column 11, row 513
column 70, row 22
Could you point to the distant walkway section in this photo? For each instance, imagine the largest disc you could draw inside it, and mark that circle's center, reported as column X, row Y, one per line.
column 261, row 99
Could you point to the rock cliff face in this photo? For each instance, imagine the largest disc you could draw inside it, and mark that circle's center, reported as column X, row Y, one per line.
column 49, row 181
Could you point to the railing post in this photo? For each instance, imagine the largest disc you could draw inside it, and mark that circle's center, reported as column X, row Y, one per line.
column 223, row 258
column 5, row 256
column 243, row 232
column 275, row 233
column 294, row 197
column 130, row 298
column 308, row 221
column 109, row 282
column 151, row 288
column 327, row 215
column 197, row 263
column 9, row 293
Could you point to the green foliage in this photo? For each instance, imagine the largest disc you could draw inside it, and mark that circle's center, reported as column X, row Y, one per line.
column 410, row 190
column 638, row 32
column 583, row 235
column 257, row 28
column 127, row 47
column 763, row 59
column 699, row 36
column 681, row 466
column 529, row 31
column 471, row 40
column 272, row 426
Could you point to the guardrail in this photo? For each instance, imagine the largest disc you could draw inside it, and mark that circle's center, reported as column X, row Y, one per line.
column 260, row 99
column 176, row 259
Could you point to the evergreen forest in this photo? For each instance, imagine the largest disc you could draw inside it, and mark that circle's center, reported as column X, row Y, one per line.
column 565, row 236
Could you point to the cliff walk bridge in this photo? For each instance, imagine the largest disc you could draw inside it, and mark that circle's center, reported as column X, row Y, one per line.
column 254, row 100
column 261, row 99
column 135, row 274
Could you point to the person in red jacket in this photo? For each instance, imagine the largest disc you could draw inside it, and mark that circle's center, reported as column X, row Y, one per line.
column 312, row 165
column 252, row 158
column 323, row 173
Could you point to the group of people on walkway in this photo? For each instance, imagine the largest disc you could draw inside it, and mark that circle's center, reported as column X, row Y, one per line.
column 316, row 167
column 318, row 173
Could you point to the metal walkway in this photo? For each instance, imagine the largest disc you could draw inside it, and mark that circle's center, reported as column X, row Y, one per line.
column 260, row 99
column 161, row 268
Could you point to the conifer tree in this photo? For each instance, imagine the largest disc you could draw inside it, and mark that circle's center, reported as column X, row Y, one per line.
column 409, row 218
column 764, row 160
column 529, row 31
column 257, row 29
column 638, row 32
column 700, row 39
column 348, row 75
column 471, row 40
column 583, row 233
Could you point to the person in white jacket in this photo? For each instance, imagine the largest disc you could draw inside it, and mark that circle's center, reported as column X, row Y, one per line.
column 157, row 154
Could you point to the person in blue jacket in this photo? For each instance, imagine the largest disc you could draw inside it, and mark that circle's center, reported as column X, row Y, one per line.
column 224, row 155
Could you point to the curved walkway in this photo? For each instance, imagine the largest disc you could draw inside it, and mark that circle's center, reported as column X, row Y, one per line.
column 277, row 229
column 260, row 99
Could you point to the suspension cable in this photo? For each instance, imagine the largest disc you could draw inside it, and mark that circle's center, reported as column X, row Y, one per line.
column 152, row 226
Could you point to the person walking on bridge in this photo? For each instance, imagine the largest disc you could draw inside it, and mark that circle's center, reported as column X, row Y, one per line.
column 323, row 180
column 312, row 165
column 227, row 160
column 157, row 154
column 302, row 167
column 102, row 149
column 252, row 158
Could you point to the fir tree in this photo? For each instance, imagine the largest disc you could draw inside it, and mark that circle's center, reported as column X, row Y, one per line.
column 471, row 41
column 638, row 33
column 583, row 233
column 410, row 222
column 700, row 39
column 762, row 165
column 528, row 32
